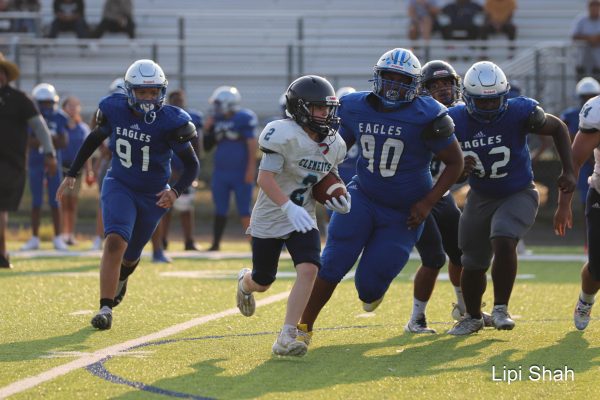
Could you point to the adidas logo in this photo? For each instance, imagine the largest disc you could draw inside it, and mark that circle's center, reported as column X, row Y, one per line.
column 479, row 134
column 135, row 126
column 596, row 205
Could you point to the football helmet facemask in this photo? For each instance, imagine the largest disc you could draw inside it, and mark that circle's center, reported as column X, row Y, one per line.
column 312, row 90
column 393, row 93
column 145, row 74
column 485, row 83
column 438, row 69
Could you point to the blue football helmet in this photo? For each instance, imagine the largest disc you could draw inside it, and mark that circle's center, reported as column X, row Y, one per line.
column 393, row 93
column 145, row 74
column 485, row 81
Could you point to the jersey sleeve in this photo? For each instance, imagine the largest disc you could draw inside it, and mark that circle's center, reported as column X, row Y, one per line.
column 273, row 138
column 589, row 116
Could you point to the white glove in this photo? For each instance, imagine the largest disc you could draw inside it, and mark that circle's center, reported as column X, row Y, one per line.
column 340, row 205
column 298, row 216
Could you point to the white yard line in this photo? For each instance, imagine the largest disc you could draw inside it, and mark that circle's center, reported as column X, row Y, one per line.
column 32, row 381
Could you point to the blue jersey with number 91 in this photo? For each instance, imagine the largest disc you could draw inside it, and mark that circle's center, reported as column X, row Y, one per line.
column 499, row 148
column 142, row 151
column 393, row 160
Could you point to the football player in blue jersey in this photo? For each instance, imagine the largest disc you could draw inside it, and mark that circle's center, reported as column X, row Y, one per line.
column 502, row 203
column 585, row 89
column 47, row 100
column 144, row 134
column 347, row 169
column 397, row 132
column 184, row 203
column 440, row 233
column 233, row 131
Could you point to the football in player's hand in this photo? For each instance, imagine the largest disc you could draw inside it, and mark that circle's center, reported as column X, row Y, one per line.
column 329, row 187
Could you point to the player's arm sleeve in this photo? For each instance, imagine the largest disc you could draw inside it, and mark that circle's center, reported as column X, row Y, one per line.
column 347, row 135
column 272, row 162
column 40, row 129
column 441, row 127
column 90, row 144
column 191, row 167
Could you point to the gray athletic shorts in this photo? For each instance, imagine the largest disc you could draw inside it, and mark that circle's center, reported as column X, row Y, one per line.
column 485, row 218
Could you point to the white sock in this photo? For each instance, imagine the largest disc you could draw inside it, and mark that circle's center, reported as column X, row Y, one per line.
column 587, row 298
column 288, row 328
column 460, row 300
column 418, row 309
column 246, row 292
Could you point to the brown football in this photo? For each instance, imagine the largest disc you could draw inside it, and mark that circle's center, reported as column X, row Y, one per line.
column 330, row 186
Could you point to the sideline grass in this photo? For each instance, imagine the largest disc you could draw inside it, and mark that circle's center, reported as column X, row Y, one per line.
column 48, row 303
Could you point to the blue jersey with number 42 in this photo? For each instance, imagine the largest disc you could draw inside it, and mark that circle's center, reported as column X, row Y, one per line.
column 500, row 148
column 393, row 160
column 141, row 151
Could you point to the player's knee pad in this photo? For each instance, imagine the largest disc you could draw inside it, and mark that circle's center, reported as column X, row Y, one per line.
column 433, row 260
column 263, row 278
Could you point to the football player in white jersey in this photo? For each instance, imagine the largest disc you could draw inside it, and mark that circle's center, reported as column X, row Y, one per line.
column 587, row 141
column 298, row 153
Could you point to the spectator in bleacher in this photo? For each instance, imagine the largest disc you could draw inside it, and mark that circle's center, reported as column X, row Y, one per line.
column 25, row 24
column 17, row 113
column 498, row 18
column 117, row 16
column 5, row 23
column 422, row 15
column 77, row 131
column 587, row 31
column 461, row 20
column 69, row 15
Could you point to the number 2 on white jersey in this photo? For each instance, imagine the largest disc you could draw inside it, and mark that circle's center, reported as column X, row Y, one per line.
column 123, row 149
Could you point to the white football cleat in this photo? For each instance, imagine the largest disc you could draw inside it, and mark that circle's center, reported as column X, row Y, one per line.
column 501, row 319
column 466, row 326
column 582, row 313
column 32, row 244
column 418, row 326
column 288, row 344
column 370, row 307
column 59, row 244
column 245, row 301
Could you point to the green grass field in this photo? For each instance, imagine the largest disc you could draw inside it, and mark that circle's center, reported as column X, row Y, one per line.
column 45, row 335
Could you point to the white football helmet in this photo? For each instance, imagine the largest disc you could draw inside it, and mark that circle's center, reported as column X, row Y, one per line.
column 145, row 74
column 117, row 86
column 225, row 99
column 588, row 87
column 393, row 93
column 485, row 80
column 45, row 92
column 344, row 90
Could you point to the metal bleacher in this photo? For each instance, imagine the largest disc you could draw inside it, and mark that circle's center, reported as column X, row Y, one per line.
column 260, row 45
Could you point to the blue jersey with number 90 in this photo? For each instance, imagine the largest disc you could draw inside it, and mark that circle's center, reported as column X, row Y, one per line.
column 142, row 151
column 393, row 160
